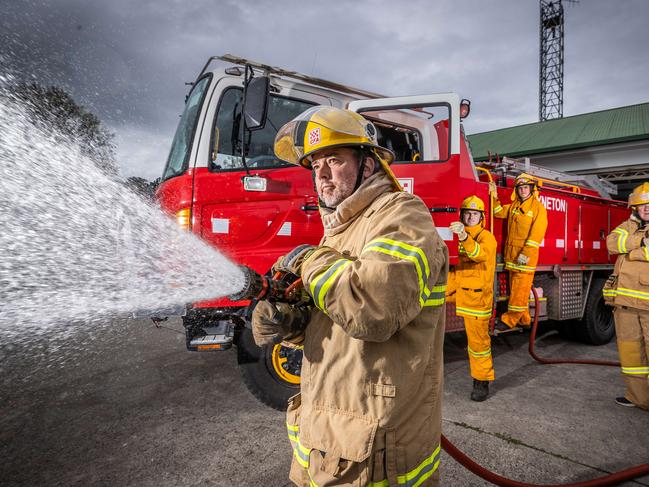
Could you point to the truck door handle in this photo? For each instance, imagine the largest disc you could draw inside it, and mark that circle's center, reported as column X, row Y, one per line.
column 310, row 204
column 443, row 209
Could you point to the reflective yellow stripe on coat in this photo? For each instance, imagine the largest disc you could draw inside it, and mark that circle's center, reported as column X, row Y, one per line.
column 300, row 453
column 623, row 235
column 473, row 254
column 416, row 476
column 323, row 282
column 415, row 255
column 413, row 478
column 632, row 293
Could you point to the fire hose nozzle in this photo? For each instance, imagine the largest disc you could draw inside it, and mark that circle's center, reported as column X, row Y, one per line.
column 282, row 287
column 254, row 286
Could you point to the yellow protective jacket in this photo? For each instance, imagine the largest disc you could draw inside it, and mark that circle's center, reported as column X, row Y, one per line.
column 527, row 222
column 473, row 278
column 631, row 285
column 371, row 380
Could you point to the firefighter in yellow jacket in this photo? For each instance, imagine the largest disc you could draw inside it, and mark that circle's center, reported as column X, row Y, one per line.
column 471, row 284
column 369, row 411
column 527, row 221
column 628, row 291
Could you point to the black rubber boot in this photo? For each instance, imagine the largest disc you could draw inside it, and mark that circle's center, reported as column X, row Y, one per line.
column 480, row 390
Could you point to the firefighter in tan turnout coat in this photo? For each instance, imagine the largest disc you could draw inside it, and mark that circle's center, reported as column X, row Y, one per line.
column 628, row 290
column 369, row 412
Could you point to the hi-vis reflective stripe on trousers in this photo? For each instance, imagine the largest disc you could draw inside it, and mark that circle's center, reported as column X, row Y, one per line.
column 415, row 255
column 623, row 235
column 413, row 478
column 636, row 370
column 322, row 283
column 511, row 307
column 478, row 313
column 486, row 353
column 519, row 267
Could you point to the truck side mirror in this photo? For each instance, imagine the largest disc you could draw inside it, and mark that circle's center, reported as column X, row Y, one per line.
column 255, row 108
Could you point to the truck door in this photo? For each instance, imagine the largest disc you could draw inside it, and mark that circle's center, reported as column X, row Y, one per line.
column 253, row 225
column 424, row 133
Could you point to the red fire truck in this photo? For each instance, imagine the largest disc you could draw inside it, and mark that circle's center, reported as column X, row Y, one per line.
column 223, row 182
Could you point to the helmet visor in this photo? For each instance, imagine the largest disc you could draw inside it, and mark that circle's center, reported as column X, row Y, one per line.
column 290, row 139
column 637, row 199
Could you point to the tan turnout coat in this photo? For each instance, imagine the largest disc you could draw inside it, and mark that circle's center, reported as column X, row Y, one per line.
column 631, row 288
column 369, row 412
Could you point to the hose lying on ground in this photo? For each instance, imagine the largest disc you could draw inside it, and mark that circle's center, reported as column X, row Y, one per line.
column 607, row 480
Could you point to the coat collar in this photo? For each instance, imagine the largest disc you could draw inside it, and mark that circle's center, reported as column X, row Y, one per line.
column 336, row 220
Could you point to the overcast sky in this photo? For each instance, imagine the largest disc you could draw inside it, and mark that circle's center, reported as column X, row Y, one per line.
column 128, row 61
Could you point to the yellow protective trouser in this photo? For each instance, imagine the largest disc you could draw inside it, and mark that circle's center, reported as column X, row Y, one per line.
column 477, row 333
column 632, row 329
column 518, row 311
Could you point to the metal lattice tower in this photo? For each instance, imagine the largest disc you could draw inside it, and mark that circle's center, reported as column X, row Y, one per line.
column 551, row 60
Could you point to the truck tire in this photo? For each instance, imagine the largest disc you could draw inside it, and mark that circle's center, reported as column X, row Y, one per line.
column 272, row 373
column 597, row 326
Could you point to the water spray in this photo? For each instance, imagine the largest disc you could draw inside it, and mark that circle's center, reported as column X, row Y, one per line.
column 78, row 246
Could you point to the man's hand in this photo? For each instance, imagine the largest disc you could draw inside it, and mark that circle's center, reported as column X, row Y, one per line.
column 292, row 262
column 522, row 259
column 493, row 190
column 272, row 323
column 458, row 229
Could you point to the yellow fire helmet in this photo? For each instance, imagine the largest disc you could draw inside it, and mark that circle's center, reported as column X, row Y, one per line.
column 324, row 127
column 523, row 179
column 472, row 203
column 640, row 195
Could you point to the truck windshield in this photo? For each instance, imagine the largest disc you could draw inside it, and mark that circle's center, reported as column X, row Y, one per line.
column 182, row 143
column 259, row 144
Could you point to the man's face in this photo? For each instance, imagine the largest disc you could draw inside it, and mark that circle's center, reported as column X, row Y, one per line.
column 471, row 217
column 335, row 172
column 643, row 212
column 523, row 191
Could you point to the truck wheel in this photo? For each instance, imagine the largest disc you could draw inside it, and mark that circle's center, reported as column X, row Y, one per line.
column 597, row 325
column 272, row 373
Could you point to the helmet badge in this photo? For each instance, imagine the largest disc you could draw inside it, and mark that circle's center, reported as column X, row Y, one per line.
column 314, row 136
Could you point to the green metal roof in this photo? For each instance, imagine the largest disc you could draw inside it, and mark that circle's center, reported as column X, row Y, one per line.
column 589, row 129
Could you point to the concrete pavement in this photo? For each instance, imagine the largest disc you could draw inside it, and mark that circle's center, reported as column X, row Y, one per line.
column 125, row 404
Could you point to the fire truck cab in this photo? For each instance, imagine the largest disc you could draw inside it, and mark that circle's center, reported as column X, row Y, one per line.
column 223, row 182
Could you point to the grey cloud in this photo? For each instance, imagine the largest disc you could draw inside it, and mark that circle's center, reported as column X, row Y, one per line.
column 128, row 61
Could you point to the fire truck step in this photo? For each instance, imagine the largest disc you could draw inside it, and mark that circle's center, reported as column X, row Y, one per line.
column 211, row 342
column 217, row 337
column 510, row 330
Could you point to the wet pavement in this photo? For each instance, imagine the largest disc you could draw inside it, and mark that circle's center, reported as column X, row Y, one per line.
column 125, row 404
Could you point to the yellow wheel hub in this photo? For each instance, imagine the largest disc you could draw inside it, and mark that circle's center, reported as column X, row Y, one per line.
column 279, row 365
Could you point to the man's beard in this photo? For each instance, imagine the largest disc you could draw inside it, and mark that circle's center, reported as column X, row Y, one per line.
column 340, row 193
